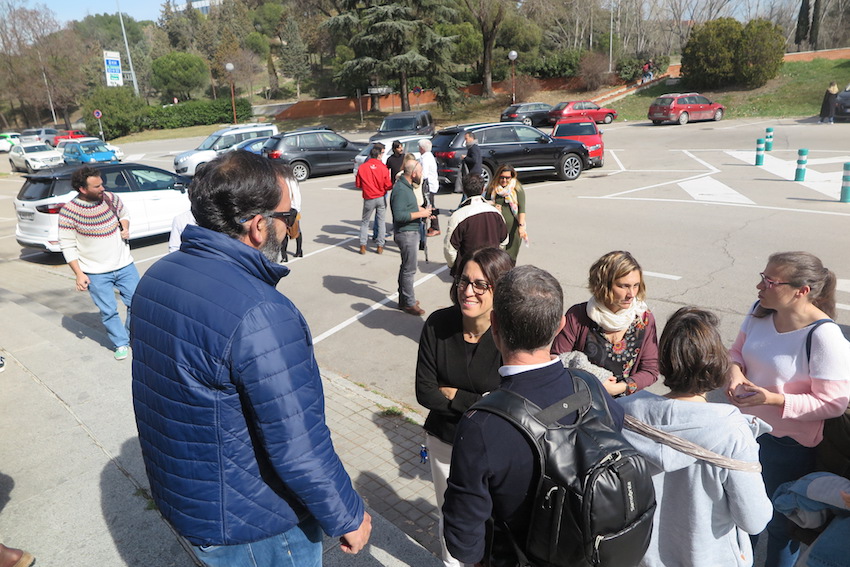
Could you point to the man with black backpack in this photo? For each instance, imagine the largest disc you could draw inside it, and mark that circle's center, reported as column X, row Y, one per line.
column 495, row 471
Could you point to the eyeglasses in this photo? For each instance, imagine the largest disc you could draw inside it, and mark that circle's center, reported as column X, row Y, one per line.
column 769, row 283
column 506, row 177
column 479, row 287
column 287, row 217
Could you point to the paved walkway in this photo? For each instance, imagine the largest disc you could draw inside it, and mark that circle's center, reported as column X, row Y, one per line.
column 73, row 490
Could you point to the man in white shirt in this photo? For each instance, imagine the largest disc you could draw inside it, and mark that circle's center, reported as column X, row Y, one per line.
column 430, row 182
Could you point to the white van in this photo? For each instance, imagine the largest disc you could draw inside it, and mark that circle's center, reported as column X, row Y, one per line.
column 219, row 142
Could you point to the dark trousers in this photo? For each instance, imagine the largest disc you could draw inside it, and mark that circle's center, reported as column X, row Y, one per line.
column 408, row 245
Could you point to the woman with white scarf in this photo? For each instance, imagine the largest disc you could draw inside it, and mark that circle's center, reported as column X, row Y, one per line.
column 615, row 329
column 506, row 192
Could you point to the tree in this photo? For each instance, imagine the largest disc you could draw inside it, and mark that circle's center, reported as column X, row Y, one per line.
column 293, row 54
column 802, row 32
column 488, row 15
column 123, row 112
column 814, row 31
column 760, row 53
column 178, row 74
column 708, row 60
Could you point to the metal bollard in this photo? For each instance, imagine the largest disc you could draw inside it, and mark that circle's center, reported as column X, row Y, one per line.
column 845, row 184
column 768, row 139
column 802, row 160
column 760, row 151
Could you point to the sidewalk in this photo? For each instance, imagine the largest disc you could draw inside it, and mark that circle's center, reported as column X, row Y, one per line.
column 73, row 490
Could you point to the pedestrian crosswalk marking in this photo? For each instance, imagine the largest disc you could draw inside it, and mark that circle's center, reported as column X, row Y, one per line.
column 828, row 184
column 710, row 189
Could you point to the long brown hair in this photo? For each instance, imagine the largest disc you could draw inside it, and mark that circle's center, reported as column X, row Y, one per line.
column 494, row 263
column 803, row 268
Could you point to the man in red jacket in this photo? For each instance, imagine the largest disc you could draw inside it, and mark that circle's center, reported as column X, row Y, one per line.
column 373, row 178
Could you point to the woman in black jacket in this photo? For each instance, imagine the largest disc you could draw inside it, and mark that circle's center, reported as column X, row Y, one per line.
column 827, row 107
column 458, row 360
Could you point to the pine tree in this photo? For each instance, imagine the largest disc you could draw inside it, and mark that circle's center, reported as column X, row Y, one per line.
column 293, row 54
column 814, row 31
column 802, row 32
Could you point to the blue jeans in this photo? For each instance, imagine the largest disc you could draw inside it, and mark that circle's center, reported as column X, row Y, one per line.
column 782, row 460
column 300, row 546
column 408, row 245
column 102, row 289
column 379, row 205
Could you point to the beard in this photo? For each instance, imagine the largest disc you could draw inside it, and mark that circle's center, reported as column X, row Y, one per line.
column 273, row 245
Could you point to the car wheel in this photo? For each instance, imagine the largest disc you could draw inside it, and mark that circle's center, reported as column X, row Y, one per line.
column 718, row 114
column 486, row 174
column 570, row 167
column 301, row 171
column 527, row 121
column 29, row 168
column 656, row 123
column 609, row 118
column 683, row 118
column 12, row 165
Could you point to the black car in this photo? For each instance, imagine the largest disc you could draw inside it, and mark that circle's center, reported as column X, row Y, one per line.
column 842, row 105
column 312, row 151
column 527, row 149
column 409, row 123
column 529, row 113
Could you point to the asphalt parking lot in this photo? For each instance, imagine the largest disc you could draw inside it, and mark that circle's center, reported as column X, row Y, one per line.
column 687, row 201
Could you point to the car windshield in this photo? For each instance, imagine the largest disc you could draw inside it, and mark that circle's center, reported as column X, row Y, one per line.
column 577, row 129
column 36, row 148
column 390, row 124
column 209, row 142
column 94, row 148
column 561, row 106
column 663, row 101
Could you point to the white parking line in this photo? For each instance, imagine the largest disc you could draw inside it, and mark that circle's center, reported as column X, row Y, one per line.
column 843, row 306
column 374, row 306
column 662, row 276
column 842, row 285
column 691, row 202
column 710, row 189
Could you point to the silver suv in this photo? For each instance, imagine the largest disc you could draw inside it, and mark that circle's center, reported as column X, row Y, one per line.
column 219, row 142
column 40, row 135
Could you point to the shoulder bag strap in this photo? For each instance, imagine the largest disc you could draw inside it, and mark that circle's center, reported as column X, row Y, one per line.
column 813, row 326
column 688, row 447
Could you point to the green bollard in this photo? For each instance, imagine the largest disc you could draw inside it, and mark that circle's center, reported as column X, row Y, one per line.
column 802, row 160
column 845, row 184
column 760, row 151
column 768, row 139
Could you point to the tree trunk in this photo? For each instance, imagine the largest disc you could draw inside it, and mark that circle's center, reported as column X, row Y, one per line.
column 375, row 103
column 403, row 91
column 487, row 64
column 274, row 82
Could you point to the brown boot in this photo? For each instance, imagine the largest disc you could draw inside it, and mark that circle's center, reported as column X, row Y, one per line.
column 380, row 250
column 362, row 249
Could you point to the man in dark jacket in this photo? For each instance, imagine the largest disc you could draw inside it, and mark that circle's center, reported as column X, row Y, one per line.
column 226, row 389
column 494, row 471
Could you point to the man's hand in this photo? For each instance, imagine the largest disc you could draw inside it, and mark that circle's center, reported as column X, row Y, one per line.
column 353, row 542
column 125, row 230
column 82, row 282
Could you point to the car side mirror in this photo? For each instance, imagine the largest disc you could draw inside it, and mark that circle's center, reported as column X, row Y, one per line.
column 178, row 186
column 543, row 140
column 601, row 131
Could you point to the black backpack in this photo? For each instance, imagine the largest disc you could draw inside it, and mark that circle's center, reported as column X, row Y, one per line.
column 595, row 499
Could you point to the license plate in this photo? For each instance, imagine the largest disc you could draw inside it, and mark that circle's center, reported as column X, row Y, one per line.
column 26, row 215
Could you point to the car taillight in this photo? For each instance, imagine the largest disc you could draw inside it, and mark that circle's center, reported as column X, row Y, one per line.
column 512, row 115
column 445, row 155
column 275, row 154
column 51, row 209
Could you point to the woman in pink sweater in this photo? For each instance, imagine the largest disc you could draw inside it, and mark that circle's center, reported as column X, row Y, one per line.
column 792, row 373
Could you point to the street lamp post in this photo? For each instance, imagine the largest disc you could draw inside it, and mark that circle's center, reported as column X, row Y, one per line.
column 512, row 55
column 229, row 68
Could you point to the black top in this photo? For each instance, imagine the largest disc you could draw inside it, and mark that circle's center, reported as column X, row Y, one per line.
column 472, row 160
column 445, row 360
column 395, row 162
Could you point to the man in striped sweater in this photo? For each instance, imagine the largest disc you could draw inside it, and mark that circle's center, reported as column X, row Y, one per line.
column 94, row 232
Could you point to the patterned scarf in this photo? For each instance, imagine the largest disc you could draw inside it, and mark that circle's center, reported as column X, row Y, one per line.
column 508, row 192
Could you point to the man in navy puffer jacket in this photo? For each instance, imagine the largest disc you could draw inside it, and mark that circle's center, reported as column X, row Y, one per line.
column 226, row 389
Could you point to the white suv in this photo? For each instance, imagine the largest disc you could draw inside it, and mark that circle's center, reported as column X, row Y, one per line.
column 219, row 142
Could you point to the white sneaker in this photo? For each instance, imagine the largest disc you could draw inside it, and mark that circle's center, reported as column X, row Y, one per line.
column 122, row 352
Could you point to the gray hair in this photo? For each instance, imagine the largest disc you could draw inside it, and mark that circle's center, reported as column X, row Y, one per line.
column 528, row 304
column 424, row 145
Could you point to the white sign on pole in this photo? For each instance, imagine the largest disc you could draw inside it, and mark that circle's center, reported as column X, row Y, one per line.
column 112, row 64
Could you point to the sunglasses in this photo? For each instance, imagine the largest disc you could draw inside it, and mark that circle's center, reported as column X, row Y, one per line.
column 287, row 217
column 506, row 177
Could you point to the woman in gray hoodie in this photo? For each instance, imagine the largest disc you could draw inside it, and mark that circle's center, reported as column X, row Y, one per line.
column 704, row 511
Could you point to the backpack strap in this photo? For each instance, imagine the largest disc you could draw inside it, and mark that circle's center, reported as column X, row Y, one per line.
column 814, row 326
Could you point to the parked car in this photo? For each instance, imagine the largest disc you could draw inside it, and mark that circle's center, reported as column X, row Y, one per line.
column 31, row 157
column 526, row 148
column 47, row 135
column 90, row 151
column 253, row 145
column 529, row 113
column 413, row 122
column 842, row 105
column 582, row 109
column 152, row 195
column 69, row 135
column 119, row 154
column 311, row 151
column 586, row 132
column 410, row 144
column 219, row 142
column 8, row 139
column 684, row 108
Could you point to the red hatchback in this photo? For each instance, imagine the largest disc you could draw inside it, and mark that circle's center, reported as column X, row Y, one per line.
column 582, row 109
column 684, row 108
column 586, row 132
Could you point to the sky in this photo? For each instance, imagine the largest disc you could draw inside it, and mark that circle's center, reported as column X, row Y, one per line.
column 66, row 10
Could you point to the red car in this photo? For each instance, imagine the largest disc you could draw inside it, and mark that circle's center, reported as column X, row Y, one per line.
column 586, row 132
column 69, row 135
column 684, row 108
column 582, row 109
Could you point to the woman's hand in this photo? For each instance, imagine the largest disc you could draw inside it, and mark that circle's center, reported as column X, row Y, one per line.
column 448, row 392
column 735, row 377
column 748, row 394
column 613, row 387
column 522, row 233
